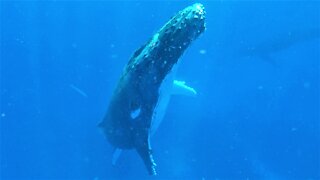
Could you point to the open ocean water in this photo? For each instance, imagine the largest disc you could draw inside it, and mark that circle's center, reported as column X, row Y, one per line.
column 255, row 69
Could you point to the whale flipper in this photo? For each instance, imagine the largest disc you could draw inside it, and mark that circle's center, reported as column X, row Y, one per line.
column 180, row 87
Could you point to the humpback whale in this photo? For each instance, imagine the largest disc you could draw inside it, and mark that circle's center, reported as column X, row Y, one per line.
column 280, row 42
column 133, row 112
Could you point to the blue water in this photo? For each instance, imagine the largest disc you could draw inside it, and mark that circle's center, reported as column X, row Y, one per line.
column 256, row 71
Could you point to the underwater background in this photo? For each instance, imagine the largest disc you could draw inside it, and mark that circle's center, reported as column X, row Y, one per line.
column 255, row 68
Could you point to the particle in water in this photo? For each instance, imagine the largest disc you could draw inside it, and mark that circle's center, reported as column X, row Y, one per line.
column 260, row 87
column 306, row 85
column 202, row 51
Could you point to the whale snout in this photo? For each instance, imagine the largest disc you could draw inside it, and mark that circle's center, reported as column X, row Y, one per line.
column 194, row 19
column 197, row 14
column 189, row 23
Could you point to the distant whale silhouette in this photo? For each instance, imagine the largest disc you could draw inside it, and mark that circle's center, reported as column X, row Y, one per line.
column 279, row 43
column 132, row 115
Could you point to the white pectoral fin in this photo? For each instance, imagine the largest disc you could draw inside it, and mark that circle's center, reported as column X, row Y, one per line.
column 180, row 87
column 116, row 155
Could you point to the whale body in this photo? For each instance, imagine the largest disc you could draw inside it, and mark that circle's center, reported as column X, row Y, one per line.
column 133, row 112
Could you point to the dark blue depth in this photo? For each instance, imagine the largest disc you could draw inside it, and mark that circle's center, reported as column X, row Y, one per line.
column 256, row 71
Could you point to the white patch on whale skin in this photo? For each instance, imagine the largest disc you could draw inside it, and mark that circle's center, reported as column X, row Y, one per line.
column 135, row 113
